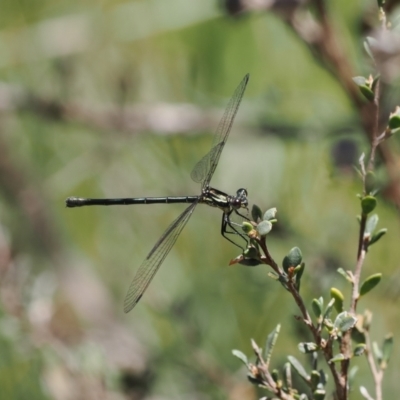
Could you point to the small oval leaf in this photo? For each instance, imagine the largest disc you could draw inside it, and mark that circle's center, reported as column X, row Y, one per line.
column 316, row 307
column 394, row 119
column 270, row 214
column 319, row 394
column 371, row 223
column 359, row 80
column 315, row 379
column 256, row 213
column 364, row 393
column 359, row 349
column 337, row 358
column 270, row 343
column 377, row 236
column 264, row 227
column 370, row 283
column 328, row 310
column 299, row 273
column 241, row 356
column 299, row 368
column 247, row 227
column 367, row 92
column 292, row 259
column 387, row 350
column 345, row 274
column 377, row 352
column 309, row 347
column 368, row 204
column 339, row 298
column 344, row 321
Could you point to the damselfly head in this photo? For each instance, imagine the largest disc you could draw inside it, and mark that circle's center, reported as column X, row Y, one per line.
column 240, row 200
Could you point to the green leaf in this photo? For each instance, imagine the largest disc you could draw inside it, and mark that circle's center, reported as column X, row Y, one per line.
column 377, row 352
column 319, row 394
column 370, row 283
column 357, row 333
column 365, row 394
column 309, row 347
column 315, row 379
column 375, row 81
column 345, row 274
column 275, row 375
column 299, row 273
column 360, row 80
column 323, row 377
column 377, row 236
column 317, row 306
column 256, row 213
column 387, row 349
column 273, row 275
column 366, row 320
column 394, row 121
column 253, row 379
column 339, row 298
column 264, row 227
column 270, row 214
column 287, row 375
column 359, row 349
column 292, row 259
column 241, row 356
column 371, row 223
column 299, row 368
column 247, row 227
column 329, row 308
column 337, row 358
column 344, row 321
column 368, row 204
column 270, row 343
column 367, row 93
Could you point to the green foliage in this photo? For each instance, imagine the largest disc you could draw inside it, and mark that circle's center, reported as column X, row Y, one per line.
column 368, row 204
column 292, row 259
column 370, row 283
column 339, row 299
column 387, row 349
column 344, row 321
column 256, row 213
column 364, row 86
column 317, row 306
column 264, row 227
column 359, row 349
column 270, row 344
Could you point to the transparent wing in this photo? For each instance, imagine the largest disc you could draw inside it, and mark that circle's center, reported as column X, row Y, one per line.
column 199, row 171
column 204, row 169
column 152, row 263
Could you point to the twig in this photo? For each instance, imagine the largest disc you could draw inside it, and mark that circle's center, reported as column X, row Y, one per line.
column 377, row 375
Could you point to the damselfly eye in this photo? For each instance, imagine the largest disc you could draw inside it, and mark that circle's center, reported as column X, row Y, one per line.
column 242, row 193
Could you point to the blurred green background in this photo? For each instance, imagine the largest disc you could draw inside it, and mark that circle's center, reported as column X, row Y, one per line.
column 119, row 99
